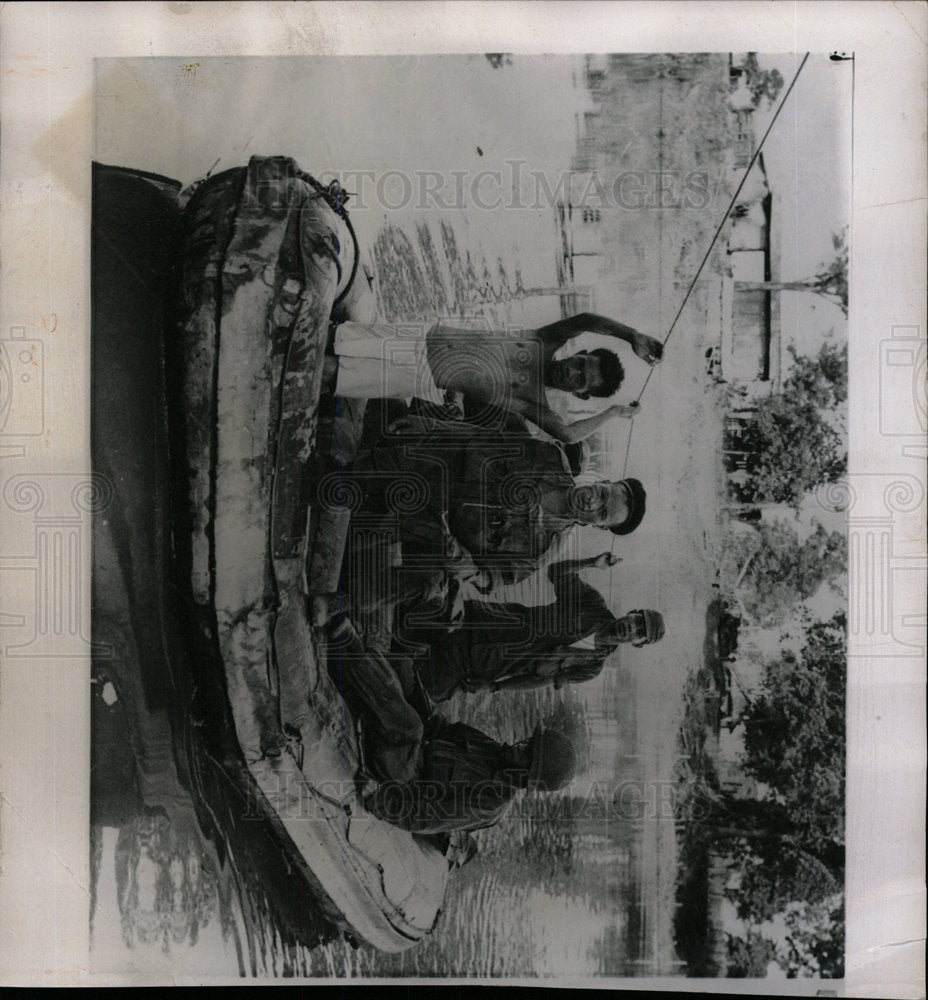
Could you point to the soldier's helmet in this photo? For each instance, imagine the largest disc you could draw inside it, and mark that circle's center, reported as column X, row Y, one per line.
column 554, row 760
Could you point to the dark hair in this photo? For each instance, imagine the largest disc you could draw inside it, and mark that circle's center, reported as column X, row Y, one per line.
column 611, row 372
column 636, row 504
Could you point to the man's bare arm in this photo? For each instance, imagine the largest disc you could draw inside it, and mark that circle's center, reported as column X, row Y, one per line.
column 566, row 566
column 555, row 335
column 569, row 433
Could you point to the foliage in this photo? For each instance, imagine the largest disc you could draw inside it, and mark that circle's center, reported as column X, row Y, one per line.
column 784, row 571
column 813, row 944
column 795, row 730
column 829, row 282
column 764, row 84
column 777, row 858
column 795, row 439
column 791, row 450
column 749, row 956
column 831, row 279
column 815, row 939
column 776, row 871
column 822, row 379
column 782, row 842
column 788, row 846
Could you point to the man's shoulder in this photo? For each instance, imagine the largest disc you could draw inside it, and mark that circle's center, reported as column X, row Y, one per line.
column 516, row 446
column 549, row 456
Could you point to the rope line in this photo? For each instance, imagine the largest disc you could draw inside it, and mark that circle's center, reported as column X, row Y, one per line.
column 718, row 231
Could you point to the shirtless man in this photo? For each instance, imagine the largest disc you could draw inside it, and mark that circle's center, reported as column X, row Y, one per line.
column 506, row 370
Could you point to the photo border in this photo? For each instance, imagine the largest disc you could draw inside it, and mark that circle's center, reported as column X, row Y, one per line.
column 46, row 110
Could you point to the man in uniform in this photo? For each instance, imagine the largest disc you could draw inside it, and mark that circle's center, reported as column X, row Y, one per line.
column 433, row 776
column 510, row 646
column 480, row 505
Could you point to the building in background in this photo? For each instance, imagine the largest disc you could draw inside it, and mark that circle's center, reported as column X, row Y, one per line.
column 662, row 144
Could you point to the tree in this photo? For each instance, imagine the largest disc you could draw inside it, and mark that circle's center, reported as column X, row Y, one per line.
column 823, row 378
column 795, row 731
column 780, row 571
column 795, row 439
column 813, row 945
column 830, row 281
column 788, row 846
column 764, row 84
column 777, row 857
column 815, row 939
column 749, row 956
column 791, row 449
column 499, row 59
column 776, row 872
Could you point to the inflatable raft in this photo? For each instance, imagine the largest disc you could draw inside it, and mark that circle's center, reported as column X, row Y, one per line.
column 264, row 254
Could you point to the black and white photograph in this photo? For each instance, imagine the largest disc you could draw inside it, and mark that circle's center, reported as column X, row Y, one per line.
column 472, row 596
column 443, row 526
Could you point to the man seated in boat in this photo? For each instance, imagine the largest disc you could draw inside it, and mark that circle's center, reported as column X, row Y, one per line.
column 507, row 370
column 463, row 500
column 434, row 776
column 503, row 498
column 467, row 780
column 509, row 646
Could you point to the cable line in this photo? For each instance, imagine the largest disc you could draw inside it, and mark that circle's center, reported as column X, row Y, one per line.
column 718, row 231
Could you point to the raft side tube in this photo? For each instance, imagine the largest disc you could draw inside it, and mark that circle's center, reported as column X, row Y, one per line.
column 252, row 337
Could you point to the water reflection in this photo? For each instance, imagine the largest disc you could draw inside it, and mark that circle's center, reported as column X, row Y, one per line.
column 166, row 886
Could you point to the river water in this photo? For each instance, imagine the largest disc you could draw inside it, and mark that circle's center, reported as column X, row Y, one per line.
column 182, row 883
